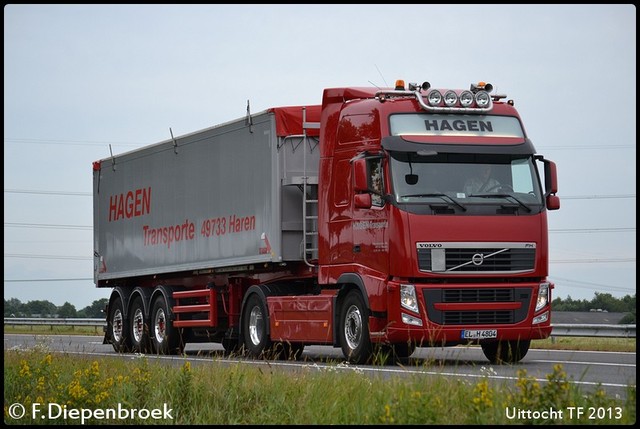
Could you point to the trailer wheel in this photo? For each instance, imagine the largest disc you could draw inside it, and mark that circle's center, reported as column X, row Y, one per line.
column 164, row 336
column 139, row 327
column 499, row 352
column 117, row 326
column 254, row 328
column 354, row 330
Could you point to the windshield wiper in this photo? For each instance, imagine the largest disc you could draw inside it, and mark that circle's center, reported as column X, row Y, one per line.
column 507, row 196
column 437, row 194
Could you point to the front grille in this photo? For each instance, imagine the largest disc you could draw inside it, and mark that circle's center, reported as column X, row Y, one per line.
column 476, row 260
column 477, row 317
column 477, row 295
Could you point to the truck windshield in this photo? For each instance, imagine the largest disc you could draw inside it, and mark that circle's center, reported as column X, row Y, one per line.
column 466, row 179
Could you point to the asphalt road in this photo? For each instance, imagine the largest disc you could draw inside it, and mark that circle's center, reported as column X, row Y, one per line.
column 613, row 371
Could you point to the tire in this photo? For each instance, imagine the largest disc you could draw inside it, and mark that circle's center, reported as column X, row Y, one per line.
column 231, row 346
column 139, row 327
column 354, row 329
column 165, row 338
column 508, row 352
column 403, row 350
column 118, row 327
column 254, row 328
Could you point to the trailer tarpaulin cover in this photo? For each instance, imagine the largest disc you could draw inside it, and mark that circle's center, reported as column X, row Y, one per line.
column 289, row 120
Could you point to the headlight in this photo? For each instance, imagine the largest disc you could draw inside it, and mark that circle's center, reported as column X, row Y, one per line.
column 483, row 99
column 408, row 297
column 543, row 296
column 466, row 98
column 450, row 98
column 434, row 97
column 541, row 318
column 411, row 320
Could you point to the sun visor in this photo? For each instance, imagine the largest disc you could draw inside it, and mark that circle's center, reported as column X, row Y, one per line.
column 416, row 143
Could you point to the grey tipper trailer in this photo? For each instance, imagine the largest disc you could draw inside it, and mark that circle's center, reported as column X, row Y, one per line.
column 229, row 196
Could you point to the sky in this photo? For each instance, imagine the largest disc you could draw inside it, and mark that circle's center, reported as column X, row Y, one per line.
column 84, row 81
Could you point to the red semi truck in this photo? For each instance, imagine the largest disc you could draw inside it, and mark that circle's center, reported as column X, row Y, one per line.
column 363, row 223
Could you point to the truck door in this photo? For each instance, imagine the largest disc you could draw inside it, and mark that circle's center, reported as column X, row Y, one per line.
column 370, row 215
column 340, row 234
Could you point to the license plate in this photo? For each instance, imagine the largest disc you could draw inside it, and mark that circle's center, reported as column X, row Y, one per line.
column 479, row 334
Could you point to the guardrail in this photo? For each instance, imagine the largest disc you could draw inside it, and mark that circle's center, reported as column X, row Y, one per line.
column 559, row 330
column 43, row 321
column 593, row 330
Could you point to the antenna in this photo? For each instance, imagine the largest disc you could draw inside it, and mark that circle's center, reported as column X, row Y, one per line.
column 383, row 79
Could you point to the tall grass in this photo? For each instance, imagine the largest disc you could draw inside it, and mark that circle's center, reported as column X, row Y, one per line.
column 552, row 343
column 221, row 394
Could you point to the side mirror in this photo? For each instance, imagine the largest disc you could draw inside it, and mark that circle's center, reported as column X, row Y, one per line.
column 551, row 177
column 553, row 202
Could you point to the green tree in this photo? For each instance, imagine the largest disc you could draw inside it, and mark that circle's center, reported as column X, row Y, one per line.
column 67, row 310
column 13, row 308
column 40, row 309
column 606, row 301
column 95, row 310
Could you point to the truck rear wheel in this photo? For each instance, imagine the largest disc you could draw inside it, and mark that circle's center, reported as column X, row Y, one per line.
column 499, row 352
column 354, row 329
column 118, row 327
column 165, row 338
column 139, row 327
column 254, row 327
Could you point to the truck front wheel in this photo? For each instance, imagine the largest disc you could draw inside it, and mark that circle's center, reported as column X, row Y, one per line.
column 118, row 327
column 164, row 336
column 499, row 352
column 254, row 327
column 354, row 329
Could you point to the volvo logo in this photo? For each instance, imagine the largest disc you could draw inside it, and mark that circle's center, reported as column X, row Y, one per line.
column 477, row 259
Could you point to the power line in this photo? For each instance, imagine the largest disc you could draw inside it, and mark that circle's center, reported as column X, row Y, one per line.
column 589, row 285
column 591, row 261
column 44, row 225
column 27, row 256
column 68, row 142
column 557, row 280
column 589, row 230
column 94, row 143
column 88, row 227
column 557, row 261
column 88, row 194
column 573, row 147
column 28, row 191
column 47, row 280
column 595, row 197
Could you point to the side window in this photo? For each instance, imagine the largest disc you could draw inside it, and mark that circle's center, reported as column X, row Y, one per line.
column 522, row 176
column 340, row 191
column 376, row 182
